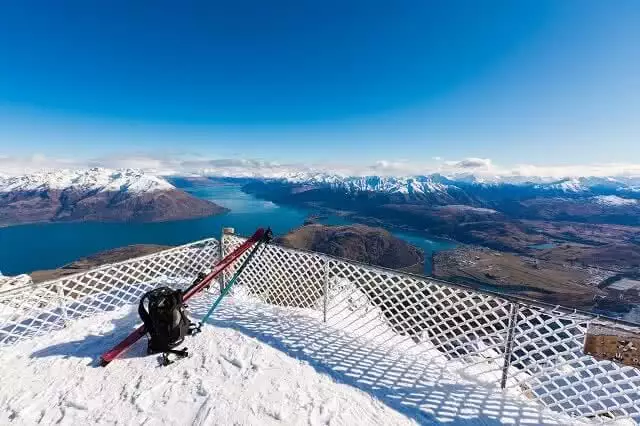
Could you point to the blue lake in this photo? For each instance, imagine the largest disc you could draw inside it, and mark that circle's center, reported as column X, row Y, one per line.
column 27, row 248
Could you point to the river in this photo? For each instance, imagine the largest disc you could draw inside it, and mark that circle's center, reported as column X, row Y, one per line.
column 26, row 248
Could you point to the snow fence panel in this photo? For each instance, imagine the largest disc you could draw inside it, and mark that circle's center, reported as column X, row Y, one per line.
column 39, row 308
column 30, row 313
column 280, row 276
column 549, row 364
column 532, row 350
column 420, row 317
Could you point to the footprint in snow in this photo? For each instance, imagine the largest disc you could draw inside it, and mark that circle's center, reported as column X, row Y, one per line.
column 77, row 405
column 235, row 361
column 276, row 413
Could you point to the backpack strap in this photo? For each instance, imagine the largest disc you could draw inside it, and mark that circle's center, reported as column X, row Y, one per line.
column 178, row 298
column 182, row 353
column 165, row 360
column 144, row 315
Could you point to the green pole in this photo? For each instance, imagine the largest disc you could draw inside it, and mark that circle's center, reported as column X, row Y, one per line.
column 231, row 282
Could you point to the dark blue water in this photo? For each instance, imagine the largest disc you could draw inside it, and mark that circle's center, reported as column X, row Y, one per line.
column 27, row 248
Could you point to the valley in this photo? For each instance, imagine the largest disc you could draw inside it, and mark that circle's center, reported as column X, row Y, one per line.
column 554, row 243
column 52, row 245
column 487, row 237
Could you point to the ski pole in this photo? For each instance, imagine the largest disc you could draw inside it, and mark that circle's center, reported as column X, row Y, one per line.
column 232, row 281
column 121, row 347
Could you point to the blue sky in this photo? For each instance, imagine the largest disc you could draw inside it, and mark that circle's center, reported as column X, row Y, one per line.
column 537, row 82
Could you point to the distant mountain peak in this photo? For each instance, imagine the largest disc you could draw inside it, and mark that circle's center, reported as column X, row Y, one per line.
column 95, row 179
column 96, row 194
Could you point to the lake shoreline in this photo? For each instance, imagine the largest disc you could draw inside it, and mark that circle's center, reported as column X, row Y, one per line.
column 50, row 245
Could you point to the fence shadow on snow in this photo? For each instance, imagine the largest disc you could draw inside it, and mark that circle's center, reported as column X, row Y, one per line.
column 422, row 391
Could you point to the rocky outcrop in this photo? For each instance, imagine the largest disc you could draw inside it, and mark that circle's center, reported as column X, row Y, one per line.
column 357, row 242
column 104, row 257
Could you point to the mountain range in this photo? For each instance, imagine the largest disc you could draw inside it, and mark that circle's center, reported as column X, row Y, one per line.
column 96, row 194
column 505, row 216
column 585, row 199
column 621, row 185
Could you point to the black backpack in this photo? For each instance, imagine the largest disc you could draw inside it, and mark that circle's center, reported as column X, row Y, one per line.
column 166, row 320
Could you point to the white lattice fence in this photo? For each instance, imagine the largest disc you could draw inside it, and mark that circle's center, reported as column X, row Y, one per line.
column 39, row 308
column 528, row 349
column 523, row 347
column 547, row 362
column 280, row 276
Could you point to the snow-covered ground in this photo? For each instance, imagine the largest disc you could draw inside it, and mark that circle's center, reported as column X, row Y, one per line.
column 14, row 281
column 255, row 364
column 230, row 378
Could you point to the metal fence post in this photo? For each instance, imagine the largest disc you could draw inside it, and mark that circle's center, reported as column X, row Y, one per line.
column 63, row 308
column 225, row 231
column 326, row 289
column 220, row 257
column 513, row 321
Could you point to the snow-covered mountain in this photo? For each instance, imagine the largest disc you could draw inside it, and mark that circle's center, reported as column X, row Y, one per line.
column 565, row 185
column 385, row 184
column 257, row 170
column 614, row 200
column 402, row 185
column 413, row 200
column 438, row 183
column 87, row 180
column 590, row 184
column 96, row 194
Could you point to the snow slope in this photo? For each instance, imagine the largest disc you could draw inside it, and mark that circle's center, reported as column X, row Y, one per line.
column 256, row 364
column 14, row 281
column 614, row 200
column 229, row 379
column 86, row 180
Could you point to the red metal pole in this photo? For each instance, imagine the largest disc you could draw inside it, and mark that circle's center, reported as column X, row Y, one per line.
column 121, row 347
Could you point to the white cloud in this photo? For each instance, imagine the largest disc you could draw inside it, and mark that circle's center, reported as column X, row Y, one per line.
column 385, row 167
column 472, row 163
column 596, row 170
column 241, row 168
column 157, row 165
column 180, row 165
column 37, row 162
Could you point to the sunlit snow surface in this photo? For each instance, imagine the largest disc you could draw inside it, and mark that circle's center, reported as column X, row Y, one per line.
column 614, row 200
column 254, row 364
